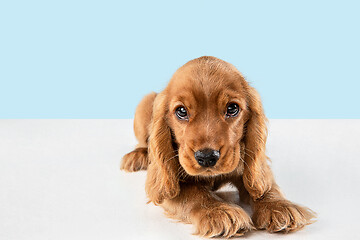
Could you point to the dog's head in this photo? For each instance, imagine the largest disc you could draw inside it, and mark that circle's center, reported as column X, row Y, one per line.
column 203, row 122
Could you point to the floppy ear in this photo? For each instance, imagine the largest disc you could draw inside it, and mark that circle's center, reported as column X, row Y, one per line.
column 257, row 175
column 162, row 178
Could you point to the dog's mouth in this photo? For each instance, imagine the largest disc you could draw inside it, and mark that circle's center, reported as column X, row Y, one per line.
column 209, row 172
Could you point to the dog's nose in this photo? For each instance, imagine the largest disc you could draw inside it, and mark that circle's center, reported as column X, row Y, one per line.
column 207, row 157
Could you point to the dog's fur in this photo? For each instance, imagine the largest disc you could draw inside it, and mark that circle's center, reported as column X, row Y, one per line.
column 204, row 86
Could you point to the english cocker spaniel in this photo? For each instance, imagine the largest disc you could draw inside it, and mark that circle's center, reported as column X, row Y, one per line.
column 205, row 129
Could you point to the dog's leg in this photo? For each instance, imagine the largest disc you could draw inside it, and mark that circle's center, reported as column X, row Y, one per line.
column 272, row 211
column 275, row 213
column 211, row 215
column 138, row 159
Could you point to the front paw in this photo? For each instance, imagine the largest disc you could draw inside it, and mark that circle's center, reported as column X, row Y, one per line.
column 135, row 161
column 222, row 221
column 281, row 215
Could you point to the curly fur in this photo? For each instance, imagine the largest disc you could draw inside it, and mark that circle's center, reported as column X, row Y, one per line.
column 185, row 189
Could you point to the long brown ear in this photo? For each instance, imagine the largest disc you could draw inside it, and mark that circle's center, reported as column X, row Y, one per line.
column 257, row 175
column 162, row 178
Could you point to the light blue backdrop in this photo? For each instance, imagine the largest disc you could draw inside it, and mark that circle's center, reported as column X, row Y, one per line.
column 96, row 59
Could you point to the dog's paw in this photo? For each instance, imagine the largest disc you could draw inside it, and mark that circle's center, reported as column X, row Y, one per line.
column 135, row 161
column 282, row 215
column 222, row 221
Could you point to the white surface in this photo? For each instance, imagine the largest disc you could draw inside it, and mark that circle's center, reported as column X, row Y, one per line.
column 60, row 179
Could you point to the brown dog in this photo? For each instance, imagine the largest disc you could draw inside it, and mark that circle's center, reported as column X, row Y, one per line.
column 206, row 129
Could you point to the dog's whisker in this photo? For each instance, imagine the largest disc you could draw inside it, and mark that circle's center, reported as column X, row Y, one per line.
column 252, row 162
column 252, row 158
column 171, row 158
column 246, row 165
column 178, row 174
column 183, row 174
column 249, row 150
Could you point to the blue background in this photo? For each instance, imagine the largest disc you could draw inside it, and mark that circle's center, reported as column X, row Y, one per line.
column 96, row 59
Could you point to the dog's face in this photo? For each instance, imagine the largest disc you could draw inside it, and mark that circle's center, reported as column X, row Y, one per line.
column 207, row 110
column 213, row 121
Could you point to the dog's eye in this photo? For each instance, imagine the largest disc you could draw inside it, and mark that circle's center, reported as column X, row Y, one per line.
column 232, row 110
column 181, row 113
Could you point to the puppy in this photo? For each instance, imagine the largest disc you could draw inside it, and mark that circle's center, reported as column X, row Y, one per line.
column 205, row 129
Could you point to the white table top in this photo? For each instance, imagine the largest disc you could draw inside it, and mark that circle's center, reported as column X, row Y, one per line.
column 60, row 179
